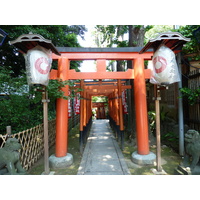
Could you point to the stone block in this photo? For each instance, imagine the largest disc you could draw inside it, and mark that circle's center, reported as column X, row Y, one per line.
column 60, row 162
column 148, row 159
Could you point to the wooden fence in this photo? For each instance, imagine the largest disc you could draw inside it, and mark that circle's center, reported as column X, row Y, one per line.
column 168, row 103
column 169, row 98
column 32, row 141
column 193, row 115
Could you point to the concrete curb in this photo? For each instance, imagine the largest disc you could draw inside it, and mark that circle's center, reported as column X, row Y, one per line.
column 120, row 155
column 85, row 157
column 121, row 158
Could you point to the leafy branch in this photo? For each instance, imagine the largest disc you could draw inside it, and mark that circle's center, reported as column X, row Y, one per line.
column 55, row 89
column 191, row 95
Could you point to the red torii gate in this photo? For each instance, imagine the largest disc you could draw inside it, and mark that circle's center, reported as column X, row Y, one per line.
column 138, row 73
column 173, row 40
column 113, row 90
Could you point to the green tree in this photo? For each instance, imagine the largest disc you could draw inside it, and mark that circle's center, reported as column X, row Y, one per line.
column 20, row 105
column 156, row 30
column 114, row 36
column 60, row 35
column 99, row 99
column 193, row 46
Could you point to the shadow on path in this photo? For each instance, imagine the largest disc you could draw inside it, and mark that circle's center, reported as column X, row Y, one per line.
column 102, row 155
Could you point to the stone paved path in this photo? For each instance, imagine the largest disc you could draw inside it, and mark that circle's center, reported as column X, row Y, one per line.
column 102, row 155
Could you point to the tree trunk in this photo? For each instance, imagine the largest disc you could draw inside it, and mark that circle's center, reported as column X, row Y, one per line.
column 120, row 65
column 136, row 38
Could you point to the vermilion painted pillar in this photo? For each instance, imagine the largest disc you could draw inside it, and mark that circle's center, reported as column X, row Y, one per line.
column 116, row 107
column 84, row 109
column 141, row 107
column 62, row 112
column 81, row 106
column 121, row 116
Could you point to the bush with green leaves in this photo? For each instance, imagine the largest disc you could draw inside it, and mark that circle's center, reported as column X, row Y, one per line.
column 192, row 95
column 21, row 106
column 193, row 45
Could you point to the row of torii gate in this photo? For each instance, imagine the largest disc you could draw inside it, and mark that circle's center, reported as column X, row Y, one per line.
column 111, row 89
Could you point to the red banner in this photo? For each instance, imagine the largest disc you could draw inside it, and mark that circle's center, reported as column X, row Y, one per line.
column 69, row 107
column 124, row 103
column 77, row 104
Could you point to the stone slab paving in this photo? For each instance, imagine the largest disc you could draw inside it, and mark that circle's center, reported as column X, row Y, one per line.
column 102, row 155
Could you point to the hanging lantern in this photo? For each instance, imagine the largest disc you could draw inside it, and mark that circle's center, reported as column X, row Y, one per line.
column 37, row 52
column 38, row 64
column 165, row 69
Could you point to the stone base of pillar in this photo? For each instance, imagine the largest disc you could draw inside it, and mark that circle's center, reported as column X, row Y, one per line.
column 148, row 159
column 50, row 173
column 60, row 162
column 156, row 172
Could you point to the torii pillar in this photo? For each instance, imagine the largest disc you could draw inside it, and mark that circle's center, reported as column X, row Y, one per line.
column 142, row 155
column 61, row 158
column 139, row 74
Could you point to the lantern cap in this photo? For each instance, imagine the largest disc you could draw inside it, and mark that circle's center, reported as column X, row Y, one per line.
column 26, row 42
column 173, row 40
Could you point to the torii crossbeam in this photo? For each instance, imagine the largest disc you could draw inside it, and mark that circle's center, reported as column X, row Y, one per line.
column 138, row 73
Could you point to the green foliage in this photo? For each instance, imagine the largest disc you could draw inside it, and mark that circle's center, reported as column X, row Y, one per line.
column 192, row 95
column 99, row 99
column 164, row 117
column 154, row 31
column 152, row 120
column 21, row 107
column 113, row 34
column 193, row 46
column 171, row 136
column 60, row 35
column 120, row 36
column 21, row 111
column 110, row 35
column 108, row 32
column 11, row 85
column 148, row 27
column 55, row 89
column 121, row 43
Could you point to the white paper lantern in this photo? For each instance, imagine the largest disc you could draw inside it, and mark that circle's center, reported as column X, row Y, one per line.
column 165, row 69
column 38, row 64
